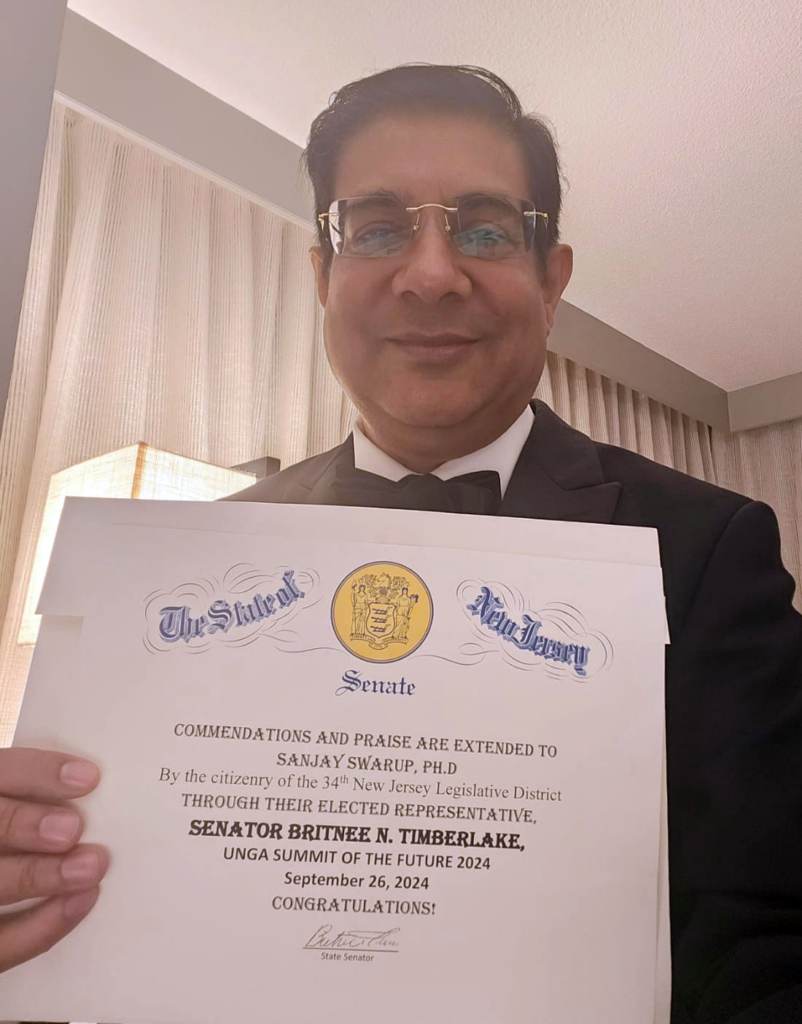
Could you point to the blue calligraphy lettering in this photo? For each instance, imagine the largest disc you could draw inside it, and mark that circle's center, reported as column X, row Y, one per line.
column 244, row 617
column 221, row 616
column 351, row 680
column 490, row 609
column 176, row 622
column 173, row 623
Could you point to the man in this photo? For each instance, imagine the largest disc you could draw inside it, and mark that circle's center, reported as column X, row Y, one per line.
column 440, row 272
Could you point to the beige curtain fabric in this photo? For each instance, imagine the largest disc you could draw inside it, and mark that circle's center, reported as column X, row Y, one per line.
column 159, row 307
column 616, row 414
column 165, row 308
column 765, row 464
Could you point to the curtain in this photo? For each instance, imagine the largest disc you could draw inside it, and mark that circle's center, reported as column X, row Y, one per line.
column 764, row 464
column 163, row 307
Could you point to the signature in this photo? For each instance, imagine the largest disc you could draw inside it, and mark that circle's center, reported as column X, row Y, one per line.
column 380, row 942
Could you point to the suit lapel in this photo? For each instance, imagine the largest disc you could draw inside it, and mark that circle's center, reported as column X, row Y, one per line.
column 317, row 491
column 559, row 476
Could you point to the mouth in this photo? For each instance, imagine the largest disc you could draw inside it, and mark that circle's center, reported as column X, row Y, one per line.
column 434, row 347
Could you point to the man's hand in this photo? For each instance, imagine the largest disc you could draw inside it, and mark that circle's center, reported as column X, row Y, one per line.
column 38, row 852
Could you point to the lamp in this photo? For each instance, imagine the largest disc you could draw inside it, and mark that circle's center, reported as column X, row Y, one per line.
column 137, row 471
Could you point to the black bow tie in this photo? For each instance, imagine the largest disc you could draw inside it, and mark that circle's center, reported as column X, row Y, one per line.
column 474, row 493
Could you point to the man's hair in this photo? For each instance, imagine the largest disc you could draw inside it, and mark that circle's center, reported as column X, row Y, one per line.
column 434, row 89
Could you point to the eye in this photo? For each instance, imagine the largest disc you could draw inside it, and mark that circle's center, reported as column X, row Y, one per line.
column 367, row 233
column 480, row 239
column 486, row 235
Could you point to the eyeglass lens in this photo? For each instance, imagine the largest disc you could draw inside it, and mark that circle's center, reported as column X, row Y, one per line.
column 487, row 227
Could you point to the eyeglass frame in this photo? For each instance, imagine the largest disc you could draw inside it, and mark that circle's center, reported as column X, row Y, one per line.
column 534, row 212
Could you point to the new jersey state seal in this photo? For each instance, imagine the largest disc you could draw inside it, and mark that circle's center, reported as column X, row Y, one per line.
column 382, row 612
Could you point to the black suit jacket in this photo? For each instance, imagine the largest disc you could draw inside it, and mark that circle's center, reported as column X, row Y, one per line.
column 733, row 707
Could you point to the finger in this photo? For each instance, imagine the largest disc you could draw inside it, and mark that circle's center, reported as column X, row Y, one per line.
column 28, row 876
column 30, row 774
column 38, row 828
column 31, row 932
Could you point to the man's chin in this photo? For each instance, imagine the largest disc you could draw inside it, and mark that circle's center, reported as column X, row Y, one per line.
column 431, row 414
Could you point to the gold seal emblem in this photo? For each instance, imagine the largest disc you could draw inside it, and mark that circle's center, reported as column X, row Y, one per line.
column 382, row 612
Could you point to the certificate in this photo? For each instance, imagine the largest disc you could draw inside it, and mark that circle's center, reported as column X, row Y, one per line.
column 357, row 765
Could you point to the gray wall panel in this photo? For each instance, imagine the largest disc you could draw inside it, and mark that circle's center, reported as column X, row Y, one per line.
column 30, row 34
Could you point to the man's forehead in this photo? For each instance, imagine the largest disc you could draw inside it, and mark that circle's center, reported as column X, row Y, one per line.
column 407, row 195
column 429, row 158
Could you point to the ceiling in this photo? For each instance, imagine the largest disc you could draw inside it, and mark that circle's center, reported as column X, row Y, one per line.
column 679, row 126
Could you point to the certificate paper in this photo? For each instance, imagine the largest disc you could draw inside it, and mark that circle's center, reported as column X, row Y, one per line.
column 357, row 765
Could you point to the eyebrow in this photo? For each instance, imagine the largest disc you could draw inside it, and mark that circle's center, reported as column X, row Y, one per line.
column 406, row 197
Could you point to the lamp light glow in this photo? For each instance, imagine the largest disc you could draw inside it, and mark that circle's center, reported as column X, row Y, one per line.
column 137, row 471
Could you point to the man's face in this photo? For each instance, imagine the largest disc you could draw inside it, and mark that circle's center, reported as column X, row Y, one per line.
column 430, row 287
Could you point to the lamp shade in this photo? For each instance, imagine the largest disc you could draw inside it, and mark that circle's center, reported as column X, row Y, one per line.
column 137, row 471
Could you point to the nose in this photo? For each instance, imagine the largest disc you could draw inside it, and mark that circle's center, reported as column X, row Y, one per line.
column 433, row 221
column 431, row 265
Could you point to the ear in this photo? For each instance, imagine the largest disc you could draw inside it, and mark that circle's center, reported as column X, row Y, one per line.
column 316, row 255
column 558, row 273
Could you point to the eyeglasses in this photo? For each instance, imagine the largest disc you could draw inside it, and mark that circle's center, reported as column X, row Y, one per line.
column 488, row 227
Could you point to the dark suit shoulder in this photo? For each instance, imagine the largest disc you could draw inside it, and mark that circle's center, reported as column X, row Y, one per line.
column 662, row 493
column 691, row 517
column 657, row 485
column 290, row 482
column 650, row 495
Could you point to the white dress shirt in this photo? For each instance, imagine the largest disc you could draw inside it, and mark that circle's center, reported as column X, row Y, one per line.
column 500, row 455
